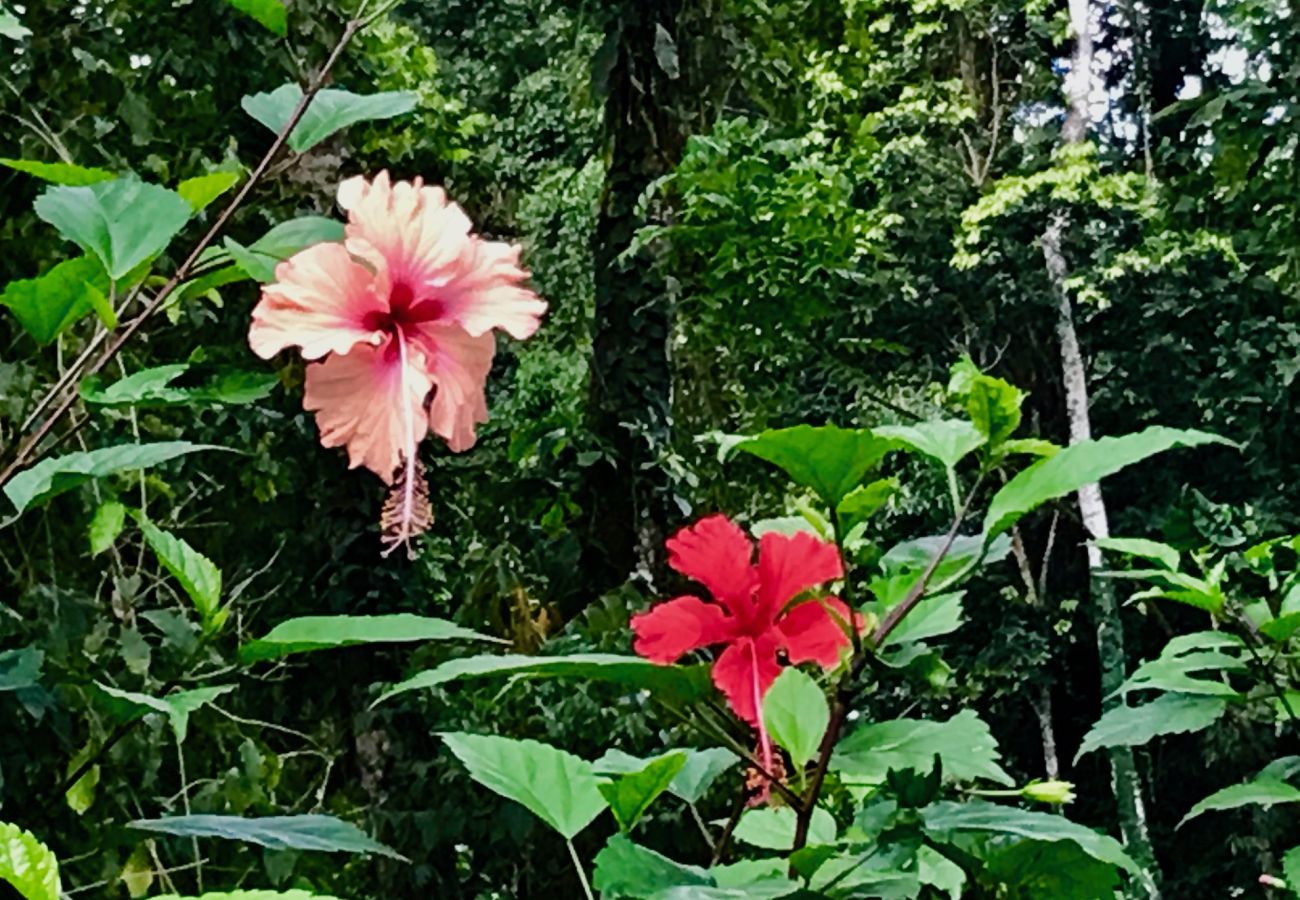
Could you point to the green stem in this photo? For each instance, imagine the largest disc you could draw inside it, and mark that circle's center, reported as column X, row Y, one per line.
column 577, row 864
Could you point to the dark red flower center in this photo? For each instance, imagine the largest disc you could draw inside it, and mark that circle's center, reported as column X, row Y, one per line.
column 405, row 310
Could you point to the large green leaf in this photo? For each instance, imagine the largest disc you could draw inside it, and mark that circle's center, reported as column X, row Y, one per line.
column 1053, row 870
column 60, row 172
column 20, row 668
column 1185, row 656
column 271, row 14
column 329, row 111
column 558, row 787
column 1132, row 726
column 1079, row 464
column 325, row 834
column 28, row 865
column 982, row 816
column 946, row 440
column 51, row 477
column 964, row 745
column 308, row 633
column 1260, row 791
column 631, row 794
column 773, row 827
column 123, row 222
column 177, row 706
column 48, row 305
column 197, row 574
column 152, row 387
column 796, row 714
column 628, row 870
column 1143, row 549
column 831, row 461
column 679, row 684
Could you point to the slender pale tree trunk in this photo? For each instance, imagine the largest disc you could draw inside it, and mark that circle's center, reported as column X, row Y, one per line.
column 1092, row 508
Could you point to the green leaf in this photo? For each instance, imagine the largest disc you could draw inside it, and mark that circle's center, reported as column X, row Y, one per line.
column 628, row 870
column 1082, row 463
column 964, row 745
column 48, row 305
column 1182, row 656
column 197, row 574
column 106, row 525
column 28, row 865
column 831, row 461
column 773, row 827
column 51, row 477
column 258, row 266
column 946, row 440
column 60, row 172
column 270, row 14
column 630, row 795
column 1132, row 726
column 680, row 684
column 994, row 408
column 123, row 222
column 1053, row 870
column 10, row 27
column 1291, row 867
column 251, row 895
column 700, row 769
column 325, row 834
column 308, row 633
column 982, row 816
column 20, row 668
column 557, row 787
column 1143, row 549
column 1260, row 791
column 796, row 715
column 176, row 706
column 934, row 616
column 287, row 238
column 864, row 501
column 102, row 306
column 151, row 388
column 1030, row 447
column 201, row 190
column 330, row 110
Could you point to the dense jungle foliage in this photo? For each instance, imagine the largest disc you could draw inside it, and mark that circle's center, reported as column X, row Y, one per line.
column 895, row 499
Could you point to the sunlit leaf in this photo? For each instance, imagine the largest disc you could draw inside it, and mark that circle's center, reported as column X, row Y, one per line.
column 60, row 172
column 49, row 304
column 630, row 795
column 28, row 865
column 796, row 714
column 772, row 828
column 948, row 440
column 203, row 189
column 831, row 461
column 964, row 744
column 329, row 111
column 270, row 14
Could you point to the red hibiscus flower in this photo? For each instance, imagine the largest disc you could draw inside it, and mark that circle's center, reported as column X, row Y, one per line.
column 753, row 614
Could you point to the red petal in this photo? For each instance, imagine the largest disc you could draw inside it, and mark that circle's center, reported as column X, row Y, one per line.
column 790, row 565
column 716, row 553
column 811, row 634
column 678, row 626
column 745, row 671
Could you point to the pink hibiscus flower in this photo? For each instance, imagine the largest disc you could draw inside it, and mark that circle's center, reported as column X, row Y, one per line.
column 753, row 614
column 403, row 309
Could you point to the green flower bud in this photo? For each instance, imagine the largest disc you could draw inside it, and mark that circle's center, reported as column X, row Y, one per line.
column 1054, row 792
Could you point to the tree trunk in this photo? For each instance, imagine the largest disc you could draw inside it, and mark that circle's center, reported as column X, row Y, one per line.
column 1092, row 508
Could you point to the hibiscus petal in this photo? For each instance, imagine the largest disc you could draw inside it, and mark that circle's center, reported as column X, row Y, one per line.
column 791, row 564
column 677, row 626
column 811, row 634
column 369, row 401
column 745, row 671
column 320, row 301
column 716, row 553
column 488, row 292
column 459, row 365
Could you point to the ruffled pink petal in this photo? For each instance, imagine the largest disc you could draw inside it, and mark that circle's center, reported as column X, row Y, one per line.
column 811, row 634
column 458, row 365
column 716, row 553
column 489, row 292
column 745, row 671
column 321, row 301
column 677, row 626
column 791, row 564
column 367, row 400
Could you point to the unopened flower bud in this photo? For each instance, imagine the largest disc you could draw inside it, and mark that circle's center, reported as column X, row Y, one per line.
column 1054, row 792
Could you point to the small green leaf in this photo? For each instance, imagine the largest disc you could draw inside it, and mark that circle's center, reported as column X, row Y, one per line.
column 558, row 787
column 152, row 388
column 630, row 795
column 325, row 834
column 864, row 501
column 964, row 745
column 60, row 172
column 831, row 461
column 106, row 525
column 287, row 238
column 772, row 828
column 1083, row 463
column 270, row 14
column 994, row 408
column 329, row 111
column 700, row 770
column 1260, row 791
column 1143, row 549
column 28, row 865
column 197, row 574
column 796, row 715
column 947, row 440
column 80, row 797
column 123, row 222
column 102, row 306
column 203, row 189
column 20, row 668
column 53, row 476
column 1291, row 866
column 48, row 305
column 176, row 706
column 257, row 266
column 308, row 633
column 1132, row 726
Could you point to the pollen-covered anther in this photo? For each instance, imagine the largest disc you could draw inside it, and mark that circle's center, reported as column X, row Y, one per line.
column 407, row 513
